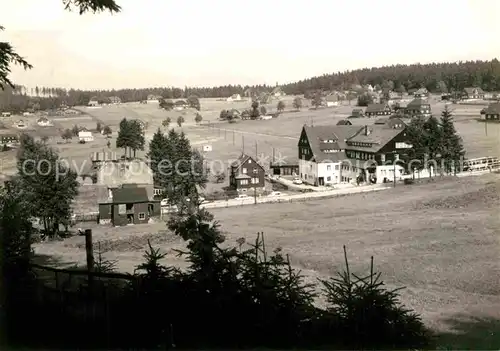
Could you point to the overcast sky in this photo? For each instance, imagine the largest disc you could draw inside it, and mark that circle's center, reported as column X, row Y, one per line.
column 206, row 43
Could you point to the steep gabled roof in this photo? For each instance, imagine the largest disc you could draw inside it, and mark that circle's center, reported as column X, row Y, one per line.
column 472, row 90
column 378, row 137
column 241, row 160
column 127, row 195
column 417, row 103
column 374, row 108
column 319, row 137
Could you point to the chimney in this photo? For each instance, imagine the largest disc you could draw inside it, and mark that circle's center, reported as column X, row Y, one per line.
column 367, row 130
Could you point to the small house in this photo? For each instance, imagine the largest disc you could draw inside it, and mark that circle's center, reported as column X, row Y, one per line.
column 278, row 92
column 85, row 136
column 418, row 107
column 153, row 99
column 492, row 112
column 180, row 105
column 234, row 97
column 421, row 93
column 6, row 114
column 332, row 100
column 378, row 110
column 43, row 122
column 8, row 138
column 93, row 102
column 115, row 100
column 284, row 168
column 245, row 173
column 473, row 93
column 128, row 205
column 207, row 148
column 357, row 113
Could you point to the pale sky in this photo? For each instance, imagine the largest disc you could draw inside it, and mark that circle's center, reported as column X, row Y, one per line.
column 207, row 43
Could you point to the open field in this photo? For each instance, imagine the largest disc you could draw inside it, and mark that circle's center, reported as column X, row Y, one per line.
column 440, row 240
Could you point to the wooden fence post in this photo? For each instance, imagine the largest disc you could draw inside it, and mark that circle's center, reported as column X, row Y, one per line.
column 90, row 253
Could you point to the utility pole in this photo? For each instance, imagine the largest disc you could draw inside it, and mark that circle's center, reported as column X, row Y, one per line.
column 255, row 196
column 486, row 126
column 256, row 153
column 233, row 136
column 273, row 154
column 243, row 143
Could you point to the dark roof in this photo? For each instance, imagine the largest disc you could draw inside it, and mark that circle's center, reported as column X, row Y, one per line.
column 180, row 103
column 378, row 137
column 493, row 109
column 471, row 90
column 339, row 134
column 344, row 122
column 242, row 159
column 129, row 195
column 417, row 103
column 374, row 108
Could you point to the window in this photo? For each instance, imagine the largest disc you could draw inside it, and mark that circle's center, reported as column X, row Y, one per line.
column 249, row 160
column 157, row 191
column 243, row 181
column 142, row 216
column 129, row 207
column 255, row 171
column 336, row 167
column 255, row 180
column 382, row 158
column 328, row 179
column 244, row 170
column 328, row 168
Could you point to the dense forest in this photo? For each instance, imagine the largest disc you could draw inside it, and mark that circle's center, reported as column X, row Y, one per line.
column 436, row 77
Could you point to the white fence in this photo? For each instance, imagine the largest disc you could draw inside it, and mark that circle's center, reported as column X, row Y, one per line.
column 293, row 198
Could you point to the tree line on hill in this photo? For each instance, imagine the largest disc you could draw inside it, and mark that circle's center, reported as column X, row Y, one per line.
column 436, row 78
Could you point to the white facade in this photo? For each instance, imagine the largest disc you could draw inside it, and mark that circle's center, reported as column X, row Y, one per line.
column 332, row 103
column 86, row 136
column 153, row 101
column 387, row 171
column 207, row 148
column 323, row 173
column 235, row 97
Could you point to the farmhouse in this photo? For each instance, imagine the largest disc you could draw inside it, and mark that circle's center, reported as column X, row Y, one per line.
column 421, row 93
column 332, row 100
column 93, row 102
column 8, row 138
column 85, row 136
column 492, row 112
column 245, row 173
column 473, row 93
column 378, row 110
column 129, row 204
column 357, row 113
column 234, row 97
column 278, row 92
column 115, row 100
column 153, row 99
column 180, row 105
column 418, row 107
column 43, row 122
column 331, row 155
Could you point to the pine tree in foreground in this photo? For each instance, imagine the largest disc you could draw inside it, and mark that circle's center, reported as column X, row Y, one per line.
column 452, row 149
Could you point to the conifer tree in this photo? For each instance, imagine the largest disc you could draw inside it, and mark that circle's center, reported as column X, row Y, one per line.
column 157, row 153
column 433, row 139
column 452, row 149
column 416, row 136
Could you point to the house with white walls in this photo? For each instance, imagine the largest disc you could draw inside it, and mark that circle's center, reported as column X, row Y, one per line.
column 85, row 136
column 330, row 155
